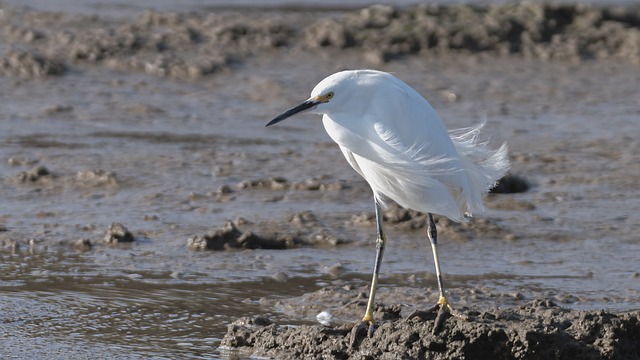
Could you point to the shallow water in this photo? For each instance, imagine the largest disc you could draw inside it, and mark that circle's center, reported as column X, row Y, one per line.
column 172, row 144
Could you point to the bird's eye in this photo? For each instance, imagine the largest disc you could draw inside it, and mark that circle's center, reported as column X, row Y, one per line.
column 329, row 95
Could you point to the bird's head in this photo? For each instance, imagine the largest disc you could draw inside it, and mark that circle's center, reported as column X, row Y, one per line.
column 329, row 95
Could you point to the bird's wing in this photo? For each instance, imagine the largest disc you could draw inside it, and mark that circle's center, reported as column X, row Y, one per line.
column 403, row 150
column 415, row 163
column 411, row 131
column 424, row 194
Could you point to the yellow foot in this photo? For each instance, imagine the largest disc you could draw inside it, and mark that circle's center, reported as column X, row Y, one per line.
column 441, row 304
column 444, row 309
column 364, row 326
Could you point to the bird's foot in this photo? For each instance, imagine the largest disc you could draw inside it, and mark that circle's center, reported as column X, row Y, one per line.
column 361, row 328
column 445, row 310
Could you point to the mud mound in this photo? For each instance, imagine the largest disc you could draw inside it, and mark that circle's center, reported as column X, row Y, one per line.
column 281, row 183
column 510, row 184
column 33, row 175
column 230, row 237
column 164, row 44
column 30, row 64
column 300, row 229
column 410, row 220
column 192, row 45
column 118, row 233
column 536, row 330
column 568, row 32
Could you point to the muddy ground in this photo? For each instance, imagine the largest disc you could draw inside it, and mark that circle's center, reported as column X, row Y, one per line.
column 145, row 208
column 188, row 46
column 538, row 329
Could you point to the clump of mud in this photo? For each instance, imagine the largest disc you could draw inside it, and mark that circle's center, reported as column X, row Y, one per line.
column 30, row 64
column 96, row 177
column 281, row 183
column 118, row 233
column 538, row 329
column 33, row 175
column 230, row 237
column 40, row 174
column 510, row 184
column 300, row 229
column 410, row 220
column 189, row 46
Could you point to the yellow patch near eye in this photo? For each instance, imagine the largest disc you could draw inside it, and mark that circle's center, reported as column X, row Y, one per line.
column 324, row 98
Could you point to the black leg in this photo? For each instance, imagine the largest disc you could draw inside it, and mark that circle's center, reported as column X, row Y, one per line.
column 432, row 234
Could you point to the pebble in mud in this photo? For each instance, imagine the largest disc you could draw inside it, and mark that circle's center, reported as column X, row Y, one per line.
column 118, row 233
column 538, row 329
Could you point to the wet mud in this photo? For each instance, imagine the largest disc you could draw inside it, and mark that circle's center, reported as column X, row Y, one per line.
column 189, row 46
column 118, row 233
column 145, row 208
column 537, row 329
column 300, row 229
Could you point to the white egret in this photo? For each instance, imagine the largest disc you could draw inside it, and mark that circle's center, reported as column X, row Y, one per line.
column 392, row 136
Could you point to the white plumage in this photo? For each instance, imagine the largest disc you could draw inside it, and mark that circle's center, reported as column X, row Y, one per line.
column 393, row 137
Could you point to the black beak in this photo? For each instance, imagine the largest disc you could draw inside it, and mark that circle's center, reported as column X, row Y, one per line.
column 300, row 108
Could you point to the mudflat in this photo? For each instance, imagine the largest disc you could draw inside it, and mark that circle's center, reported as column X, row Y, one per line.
column 146, row 211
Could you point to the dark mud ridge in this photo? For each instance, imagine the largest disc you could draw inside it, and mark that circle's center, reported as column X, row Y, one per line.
column 299, row 229
column 538, row 329
column 192, row 45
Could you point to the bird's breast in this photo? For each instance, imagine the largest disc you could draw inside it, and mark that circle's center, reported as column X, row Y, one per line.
column 337, row 132
column 348, row 133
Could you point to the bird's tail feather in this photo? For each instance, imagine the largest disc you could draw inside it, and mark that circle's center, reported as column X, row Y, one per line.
column 485, row 166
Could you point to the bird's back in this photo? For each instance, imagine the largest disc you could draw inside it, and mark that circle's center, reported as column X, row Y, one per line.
column 399, row 144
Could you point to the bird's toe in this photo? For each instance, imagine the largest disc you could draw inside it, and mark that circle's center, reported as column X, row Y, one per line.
column 360, row 330
column 443, row 311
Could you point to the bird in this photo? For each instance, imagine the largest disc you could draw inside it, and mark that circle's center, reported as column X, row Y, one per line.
column 393, row 138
